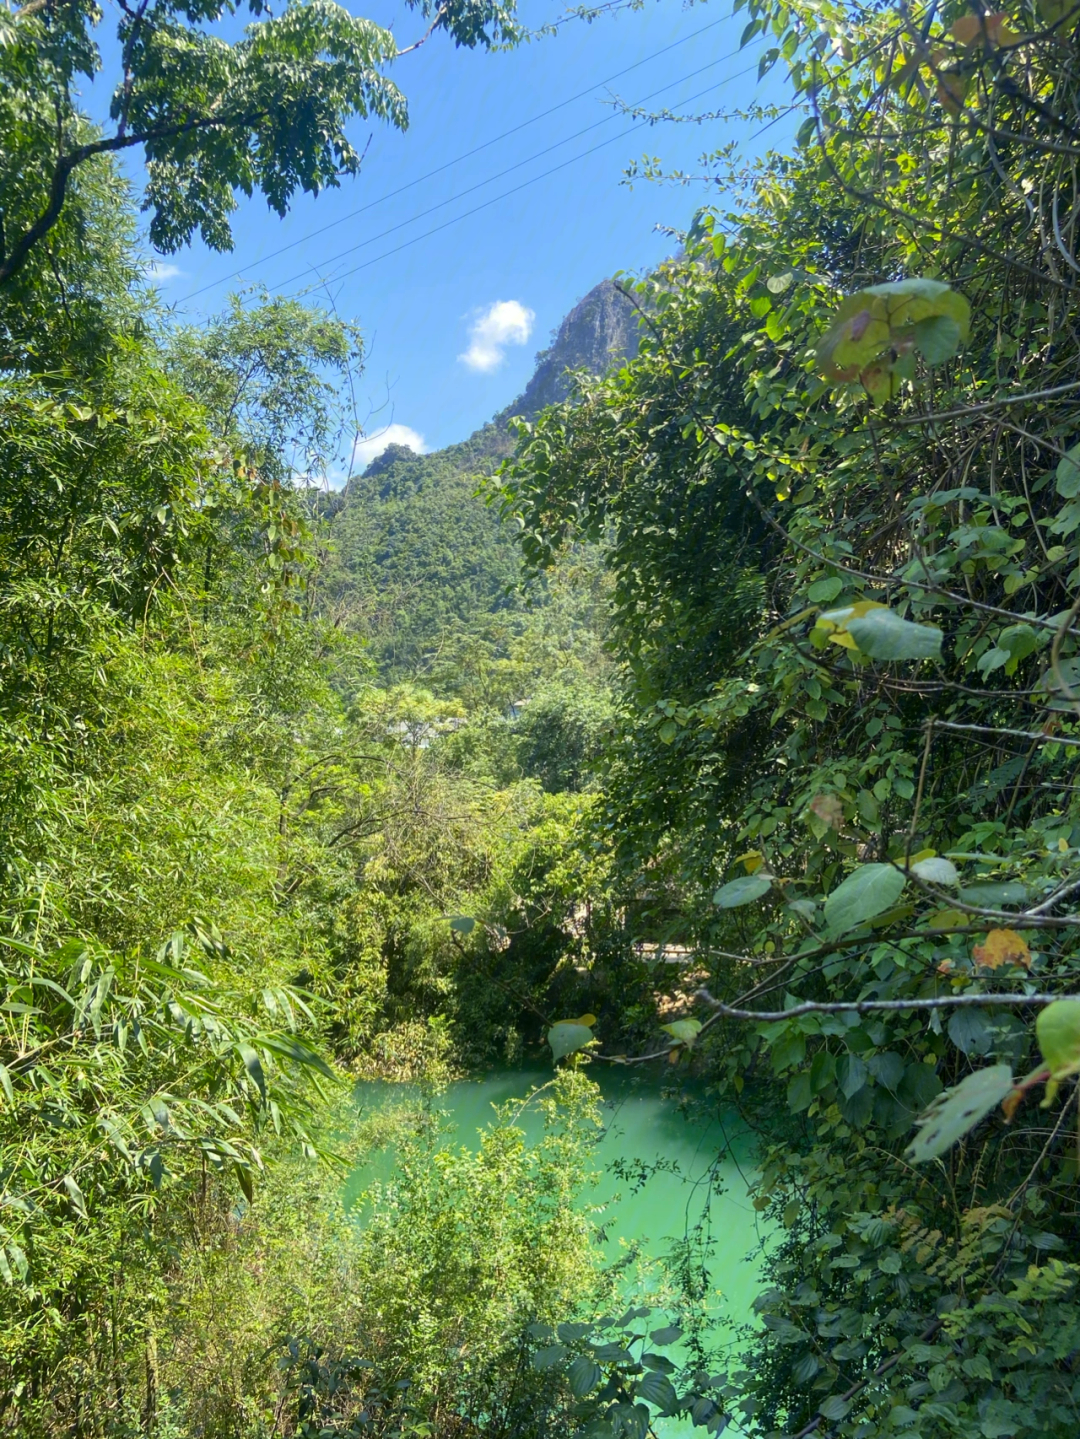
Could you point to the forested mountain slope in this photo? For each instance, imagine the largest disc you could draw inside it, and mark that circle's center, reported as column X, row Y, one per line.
column 418, row 558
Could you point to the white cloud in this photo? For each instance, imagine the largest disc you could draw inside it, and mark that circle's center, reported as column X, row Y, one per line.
column 506, row 322
column 160, row 271
column 369, row 447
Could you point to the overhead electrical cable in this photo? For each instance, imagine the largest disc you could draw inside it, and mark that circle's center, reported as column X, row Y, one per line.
column 520, row 164
column 459, row 159
column 486, row 204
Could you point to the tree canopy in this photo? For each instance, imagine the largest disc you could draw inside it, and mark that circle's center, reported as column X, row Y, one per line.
column 214, row 116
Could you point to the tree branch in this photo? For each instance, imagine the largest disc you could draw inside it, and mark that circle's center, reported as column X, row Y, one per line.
column 66, row 164
column 871, row 1006
column 857, row 1006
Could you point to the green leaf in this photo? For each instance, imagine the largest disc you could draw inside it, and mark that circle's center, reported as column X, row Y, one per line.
column 883, row 635
column 253, row 1065
column 684, row 1030
column 1058, row 1032
column 936, row 871
column 669, row 1335
column 1020, row 641
column 463, row 924
column 825, row 591
column 994, row 896
column 870, row 891
column 890, row 318
column 835, row 1407
column 971, row 1031
column 1068, row 474
column 958, row 1110
column 612, row 1354
column 658, row 1389
column 851, row 1074
column 584, row 1375
column 570, row 1333
column 243, row 1178
column 566, row 1037
column 287, row 1046
column 5, row 1080
column 659, row 1362
column 75, row 1194
column 937, row 338
column 19, row 1259
column 743, row 890
column 805, row 1370
column 546, row 1358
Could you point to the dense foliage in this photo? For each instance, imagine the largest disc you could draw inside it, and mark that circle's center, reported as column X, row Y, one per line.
column 229, row 860
column 839, row 492
column 296, row 786
column 214, row 116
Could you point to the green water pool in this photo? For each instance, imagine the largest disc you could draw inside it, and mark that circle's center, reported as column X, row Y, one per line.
column 682, row 1162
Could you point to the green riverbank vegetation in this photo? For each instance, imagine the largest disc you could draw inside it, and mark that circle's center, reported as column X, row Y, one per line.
column 743, row 747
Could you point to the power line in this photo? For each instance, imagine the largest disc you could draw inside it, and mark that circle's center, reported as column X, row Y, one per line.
column 520, row 164
column 486, row 204
column 392, row 194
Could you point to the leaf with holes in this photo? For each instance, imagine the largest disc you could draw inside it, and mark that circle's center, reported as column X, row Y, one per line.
column 958, row 1110
column 1002, row 947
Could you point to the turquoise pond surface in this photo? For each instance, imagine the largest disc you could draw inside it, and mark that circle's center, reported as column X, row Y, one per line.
column 706, row 1159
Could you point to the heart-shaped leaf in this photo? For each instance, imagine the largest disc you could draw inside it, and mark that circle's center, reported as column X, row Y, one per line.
column 567, row 1037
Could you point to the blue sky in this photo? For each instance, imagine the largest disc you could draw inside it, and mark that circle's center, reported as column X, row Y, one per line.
column 424, row 303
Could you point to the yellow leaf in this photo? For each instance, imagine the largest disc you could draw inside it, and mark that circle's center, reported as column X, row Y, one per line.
column 948, row 919
column 588, row 1020
column 841, row 637
column 968, row 29
column 751, row 861
column 1002, row 946
column 989, row 29
column 951, row 92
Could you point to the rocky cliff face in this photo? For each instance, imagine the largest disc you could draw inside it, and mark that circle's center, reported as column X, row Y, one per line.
column 598, row 333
